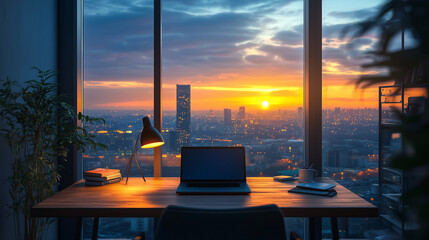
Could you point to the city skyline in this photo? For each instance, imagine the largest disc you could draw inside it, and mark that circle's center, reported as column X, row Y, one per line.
column 273, row 144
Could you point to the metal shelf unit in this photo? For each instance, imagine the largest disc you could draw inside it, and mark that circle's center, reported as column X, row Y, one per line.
column 394, row 99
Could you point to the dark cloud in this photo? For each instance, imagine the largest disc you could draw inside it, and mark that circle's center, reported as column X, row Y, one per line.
column 196, row 6
column 289, row 37
column 354, row 15
column 119, row 44
column 288, row 54
column 334, row 30
column 258, row 59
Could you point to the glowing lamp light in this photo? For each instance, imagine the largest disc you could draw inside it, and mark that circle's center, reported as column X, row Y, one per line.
column 153, row 145
column 149, row 138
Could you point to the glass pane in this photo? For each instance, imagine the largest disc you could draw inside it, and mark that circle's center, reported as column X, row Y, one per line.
column 236, row 69
column 118, row 86
column 350, row 115
column 233, row 76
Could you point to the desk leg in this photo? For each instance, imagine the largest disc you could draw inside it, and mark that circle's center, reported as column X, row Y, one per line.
column 334, row 228
column 315, row 228
column 78, row 234
column 95, row 228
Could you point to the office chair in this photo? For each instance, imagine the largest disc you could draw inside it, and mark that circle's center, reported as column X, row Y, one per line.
column 263, row 222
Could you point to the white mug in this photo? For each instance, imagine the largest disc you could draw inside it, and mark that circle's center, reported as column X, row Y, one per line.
column 307, row 175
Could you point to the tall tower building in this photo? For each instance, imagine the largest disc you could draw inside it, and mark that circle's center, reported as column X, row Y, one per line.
column 241, row 115
column 183, row 115
column 227, row 117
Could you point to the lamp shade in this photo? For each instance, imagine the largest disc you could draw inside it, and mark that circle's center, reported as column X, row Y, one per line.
column 150, row 137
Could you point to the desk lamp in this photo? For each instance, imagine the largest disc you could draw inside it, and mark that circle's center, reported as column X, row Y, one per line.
column 149, row 138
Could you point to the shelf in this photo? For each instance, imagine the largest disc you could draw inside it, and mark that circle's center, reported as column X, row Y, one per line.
column 393, row 187
column 394, row 220
column 395, row 197
column 394, row 182
column 390, row 125
column 391, row 95
column 392, row 170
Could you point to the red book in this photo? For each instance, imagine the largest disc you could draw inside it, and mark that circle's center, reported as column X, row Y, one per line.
column 100, row 172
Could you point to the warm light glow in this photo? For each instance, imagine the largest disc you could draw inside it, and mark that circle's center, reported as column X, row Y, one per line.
column 152, row 145
column 265, row 104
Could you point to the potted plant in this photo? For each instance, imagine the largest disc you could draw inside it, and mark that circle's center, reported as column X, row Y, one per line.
column 411, row 64
column 39, row 127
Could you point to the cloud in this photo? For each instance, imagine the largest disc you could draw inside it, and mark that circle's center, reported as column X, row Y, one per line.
column 265, row 89
column 258, row 59
column 289, row 37
column 293, row 55
column 119, row 45
column 354, row 15
column 197, row 34
column 214, row 45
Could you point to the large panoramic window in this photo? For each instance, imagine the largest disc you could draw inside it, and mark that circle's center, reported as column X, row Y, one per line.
column 232, row 76
column 350, row 114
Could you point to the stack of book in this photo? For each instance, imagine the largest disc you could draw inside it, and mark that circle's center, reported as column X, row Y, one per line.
column 101, row 176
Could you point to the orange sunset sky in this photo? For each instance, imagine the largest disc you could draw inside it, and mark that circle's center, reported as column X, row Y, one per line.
column 231, row 53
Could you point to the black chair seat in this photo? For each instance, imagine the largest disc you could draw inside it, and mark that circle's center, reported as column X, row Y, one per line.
column 263, row 222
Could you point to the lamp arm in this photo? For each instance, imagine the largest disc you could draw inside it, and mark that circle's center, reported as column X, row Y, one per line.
column 137, row 141
column 128, row 168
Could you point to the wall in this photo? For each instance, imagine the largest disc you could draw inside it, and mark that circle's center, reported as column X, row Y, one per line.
column 28, row 38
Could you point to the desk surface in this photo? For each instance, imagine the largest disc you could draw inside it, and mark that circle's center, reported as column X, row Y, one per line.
column 148, row 199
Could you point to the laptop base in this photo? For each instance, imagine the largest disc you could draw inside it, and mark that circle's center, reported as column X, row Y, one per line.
column 184, row 189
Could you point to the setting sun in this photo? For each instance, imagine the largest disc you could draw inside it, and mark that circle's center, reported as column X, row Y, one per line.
column 265, row 104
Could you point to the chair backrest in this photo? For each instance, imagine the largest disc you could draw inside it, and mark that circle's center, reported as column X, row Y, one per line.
column 263, row 222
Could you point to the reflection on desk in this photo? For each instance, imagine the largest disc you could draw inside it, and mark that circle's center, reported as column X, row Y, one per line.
column 149, row 199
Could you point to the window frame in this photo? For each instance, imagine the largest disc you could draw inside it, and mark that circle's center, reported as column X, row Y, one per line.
column 70, row 17
column 312, row 76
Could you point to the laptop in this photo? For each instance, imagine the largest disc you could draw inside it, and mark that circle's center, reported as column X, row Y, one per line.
column 213, row 170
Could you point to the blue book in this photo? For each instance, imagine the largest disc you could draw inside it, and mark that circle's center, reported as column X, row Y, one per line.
column 326, row 193
column 98, row 183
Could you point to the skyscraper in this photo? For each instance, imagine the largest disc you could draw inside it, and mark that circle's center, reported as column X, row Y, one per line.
column 241, row 115
column 227, row 117
column 183, row 115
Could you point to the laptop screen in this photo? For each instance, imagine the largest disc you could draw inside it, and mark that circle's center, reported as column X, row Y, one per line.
column 213, row 163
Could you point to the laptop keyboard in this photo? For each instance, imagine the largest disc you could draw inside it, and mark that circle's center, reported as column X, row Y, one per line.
column 213, row 185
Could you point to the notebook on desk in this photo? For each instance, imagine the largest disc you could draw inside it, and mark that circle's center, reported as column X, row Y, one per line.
column 213, row 170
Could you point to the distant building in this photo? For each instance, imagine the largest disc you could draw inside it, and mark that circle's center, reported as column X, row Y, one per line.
column 172, row 141
column 337, row 110
column 183, row 115
column 227, row 117
column 241, row 115
column 340, row 158
column 300, row 116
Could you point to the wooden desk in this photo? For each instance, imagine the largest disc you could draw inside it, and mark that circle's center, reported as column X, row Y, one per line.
column 149, row 199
